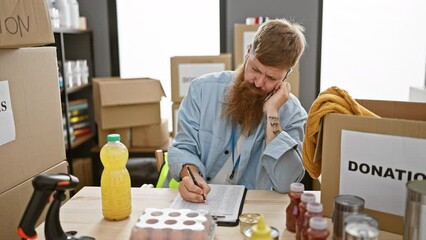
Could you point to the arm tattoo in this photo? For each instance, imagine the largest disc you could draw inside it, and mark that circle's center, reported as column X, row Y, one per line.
column 275, row 124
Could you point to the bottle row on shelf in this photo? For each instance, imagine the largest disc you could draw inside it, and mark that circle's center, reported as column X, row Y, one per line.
column 76, row 73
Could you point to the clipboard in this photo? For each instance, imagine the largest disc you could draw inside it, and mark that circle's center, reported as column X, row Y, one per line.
column 224, row 202
column 237, row 221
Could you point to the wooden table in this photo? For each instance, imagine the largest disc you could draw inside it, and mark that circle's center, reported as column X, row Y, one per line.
column 83, row 213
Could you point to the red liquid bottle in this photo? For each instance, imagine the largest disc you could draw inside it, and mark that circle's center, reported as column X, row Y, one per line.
column 305, row 199
column 292, row 210
column 312, row 210
column 318, row 229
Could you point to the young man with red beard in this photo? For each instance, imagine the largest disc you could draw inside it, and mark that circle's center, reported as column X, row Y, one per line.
column 243, row 127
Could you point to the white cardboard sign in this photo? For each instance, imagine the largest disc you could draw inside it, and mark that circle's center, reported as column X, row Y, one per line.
column 377, row 167
column 189, row 71
column 7, row 124
column 247, row 40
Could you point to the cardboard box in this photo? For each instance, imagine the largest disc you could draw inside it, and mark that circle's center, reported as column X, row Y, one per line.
column 175, row 110
column 243, row 36
column 152, row 135
column 24, row 23
column 122, row 103
column 33, row 111
column 185, row 68
column 82, row 169
column 14, row 202
column 124, row 135
column 397, row 119
column 293, row 79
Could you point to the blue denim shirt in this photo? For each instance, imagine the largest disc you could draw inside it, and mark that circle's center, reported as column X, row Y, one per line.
column 204, row 139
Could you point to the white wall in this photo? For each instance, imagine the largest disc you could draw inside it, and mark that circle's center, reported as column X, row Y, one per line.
column 150, row 32
column 374, row 49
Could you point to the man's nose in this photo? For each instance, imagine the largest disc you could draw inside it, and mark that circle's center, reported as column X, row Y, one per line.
column 260, row 81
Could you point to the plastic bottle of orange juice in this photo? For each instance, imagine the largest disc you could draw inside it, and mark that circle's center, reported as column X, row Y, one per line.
column 115, row 180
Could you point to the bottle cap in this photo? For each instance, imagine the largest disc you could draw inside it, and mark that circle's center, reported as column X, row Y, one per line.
column 297, row 187
column 261, row 230
column 113, row 137
column 307, row 197
column 318, row 223
column 314, row 207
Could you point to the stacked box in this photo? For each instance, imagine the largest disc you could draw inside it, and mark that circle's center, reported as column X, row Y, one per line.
column 123, row 105
column 31, row 121
column 14, row 201
column 30, row 116
column 243, row 36
column 31, row 138
column 82, row 169
column 185, row 68
column 155, row 135
column 24, row 23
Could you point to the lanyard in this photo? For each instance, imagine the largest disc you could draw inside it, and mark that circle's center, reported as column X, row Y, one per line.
column 233, row 157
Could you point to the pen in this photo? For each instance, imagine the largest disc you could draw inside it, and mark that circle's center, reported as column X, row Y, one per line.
column 194, row 180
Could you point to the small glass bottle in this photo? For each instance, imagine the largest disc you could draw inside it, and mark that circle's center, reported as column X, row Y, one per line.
column 318, row 229
column 292, row 210
column 305, row 199
column 312, row 210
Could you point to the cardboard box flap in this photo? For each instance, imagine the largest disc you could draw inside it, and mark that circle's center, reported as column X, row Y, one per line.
column 116, row 91
column 202, row 59
column 396, row 109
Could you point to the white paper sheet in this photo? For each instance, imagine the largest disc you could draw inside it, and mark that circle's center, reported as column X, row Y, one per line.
column 223, row 200
column 189, row 71
column 377, row 167
column 7, row 123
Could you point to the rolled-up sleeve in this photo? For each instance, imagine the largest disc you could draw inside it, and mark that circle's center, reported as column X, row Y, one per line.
column 282, row 158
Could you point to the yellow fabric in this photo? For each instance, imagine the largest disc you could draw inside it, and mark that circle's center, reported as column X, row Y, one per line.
column 163, row 175
column 332, row 100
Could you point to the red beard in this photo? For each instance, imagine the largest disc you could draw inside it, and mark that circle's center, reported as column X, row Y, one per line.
column 244, row 104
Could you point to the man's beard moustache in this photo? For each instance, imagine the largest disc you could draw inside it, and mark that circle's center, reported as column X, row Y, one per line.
column 244, row 104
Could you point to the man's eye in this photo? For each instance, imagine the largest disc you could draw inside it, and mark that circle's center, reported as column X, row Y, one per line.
column 256, row 70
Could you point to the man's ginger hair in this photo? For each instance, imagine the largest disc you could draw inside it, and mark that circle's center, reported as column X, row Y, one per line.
column 279, row 43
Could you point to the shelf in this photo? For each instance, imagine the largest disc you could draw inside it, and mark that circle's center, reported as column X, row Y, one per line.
column 70, row 30
column 80, row 140
column 77, row 88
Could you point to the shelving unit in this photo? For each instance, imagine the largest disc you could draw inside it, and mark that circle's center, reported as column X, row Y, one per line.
column 74, row 45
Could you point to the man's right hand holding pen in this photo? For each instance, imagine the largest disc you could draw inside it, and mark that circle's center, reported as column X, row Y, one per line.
column 193, row 188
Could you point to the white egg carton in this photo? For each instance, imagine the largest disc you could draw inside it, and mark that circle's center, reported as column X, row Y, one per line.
column 174, row 224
